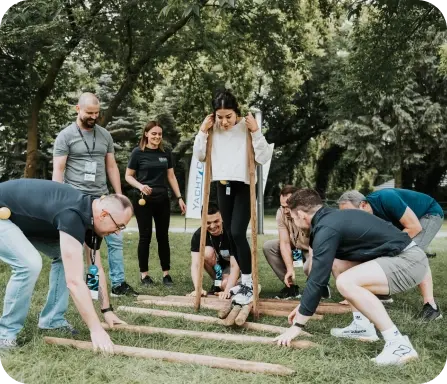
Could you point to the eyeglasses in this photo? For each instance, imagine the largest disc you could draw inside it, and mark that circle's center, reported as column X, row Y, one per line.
column 119, row 227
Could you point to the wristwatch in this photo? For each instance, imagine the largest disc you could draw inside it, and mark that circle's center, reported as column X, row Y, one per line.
column 110, row 309
column 299, row 325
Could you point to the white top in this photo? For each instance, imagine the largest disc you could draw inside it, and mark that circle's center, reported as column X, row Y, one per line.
column 229, row 158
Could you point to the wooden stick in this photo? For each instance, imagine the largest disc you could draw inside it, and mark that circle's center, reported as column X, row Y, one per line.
column 213, row 306
column 229, row 320
column 323, row 308
column 223, row 313
column 254, row 224
column 210, row 361
column 205, row 319
column 279, row 313
column 243, row 314
column 203, row 228
column 300, row 344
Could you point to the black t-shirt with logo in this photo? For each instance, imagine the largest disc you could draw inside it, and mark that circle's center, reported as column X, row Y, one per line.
column 42, row 208
column 151, row 168
column 220, row 243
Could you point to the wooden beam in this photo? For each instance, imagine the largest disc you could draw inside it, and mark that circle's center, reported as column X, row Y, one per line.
column 254, row 224
column 178, row 357
column 204, row 319
column 203, row 230
column 243, row 314
column 299, row 344
column 230, row 319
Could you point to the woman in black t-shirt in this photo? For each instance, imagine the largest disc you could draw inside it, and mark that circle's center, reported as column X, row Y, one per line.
column 150, row 170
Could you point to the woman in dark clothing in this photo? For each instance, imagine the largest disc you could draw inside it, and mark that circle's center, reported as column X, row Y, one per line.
column 150, row 170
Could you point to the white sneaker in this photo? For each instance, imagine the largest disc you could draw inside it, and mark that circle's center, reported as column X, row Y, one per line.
column 244, row 295
column 235, row 290
column 356, row 331
column 396, row 352
column 7, row 344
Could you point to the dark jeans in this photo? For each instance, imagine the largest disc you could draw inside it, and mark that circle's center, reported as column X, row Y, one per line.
column 235, row 211
column 161, row 212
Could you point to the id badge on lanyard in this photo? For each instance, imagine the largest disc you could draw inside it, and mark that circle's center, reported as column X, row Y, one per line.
column 90, row 170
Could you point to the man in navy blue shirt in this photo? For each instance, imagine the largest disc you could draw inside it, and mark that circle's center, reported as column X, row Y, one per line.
column 369, row 257
column 413, row 212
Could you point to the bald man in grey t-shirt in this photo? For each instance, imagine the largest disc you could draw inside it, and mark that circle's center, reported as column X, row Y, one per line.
column 83, row 156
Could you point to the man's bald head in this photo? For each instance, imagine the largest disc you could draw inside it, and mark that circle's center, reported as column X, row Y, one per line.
column 87, row 99
column 88, row 110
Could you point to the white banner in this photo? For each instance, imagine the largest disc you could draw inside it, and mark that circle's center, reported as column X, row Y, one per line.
column 195, row 189
column 196, row 183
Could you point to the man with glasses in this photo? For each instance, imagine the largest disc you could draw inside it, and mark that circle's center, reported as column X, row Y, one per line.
column 57, row 220
column 83, row 155
column 279, row 253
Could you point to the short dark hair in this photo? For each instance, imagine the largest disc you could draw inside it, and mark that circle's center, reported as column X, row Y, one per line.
column 212, row 208
column 288, row 189
column 224, row 99
column 304, row 200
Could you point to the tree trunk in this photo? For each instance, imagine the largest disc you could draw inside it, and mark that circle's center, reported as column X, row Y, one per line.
column 47, row 86
column 135, row 70
column 325, row 166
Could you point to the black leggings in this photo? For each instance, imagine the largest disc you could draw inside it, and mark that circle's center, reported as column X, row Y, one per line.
column 235, row 211
column 161, row 212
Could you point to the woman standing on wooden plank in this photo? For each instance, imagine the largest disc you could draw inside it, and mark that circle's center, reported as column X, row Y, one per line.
column 229, row 164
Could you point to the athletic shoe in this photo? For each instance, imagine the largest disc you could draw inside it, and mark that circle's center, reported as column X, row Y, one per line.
column 396, row 352
column 123, row 289
column 7, row 344
column 244, row 296
column 428, row 313
column 289, row 293
column 326, row 292
column 356, row 331
column 167, row 281
column 147, row 281
column 235, row 290
column 66, row 329
column 430, row 255
column 385, row 299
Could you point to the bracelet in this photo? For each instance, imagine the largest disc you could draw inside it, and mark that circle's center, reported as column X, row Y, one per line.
column 105, row 310
column 299, row 325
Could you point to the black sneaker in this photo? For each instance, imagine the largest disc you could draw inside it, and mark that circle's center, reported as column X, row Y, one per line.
column 289, row 293
column 123, row 289
column 214, row 290
column 147, row 281
column 385, row 299
column 430, row 255
column 167, row 281
column 428, row 313
column 326, row 292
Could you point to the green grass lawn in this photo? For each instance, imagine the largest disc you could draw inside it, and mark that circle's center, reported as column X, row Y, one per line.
column 334, row 361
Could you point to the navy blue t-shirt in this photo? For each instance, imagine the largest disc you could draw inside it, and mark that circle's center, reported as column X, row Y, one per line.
column 390, row 204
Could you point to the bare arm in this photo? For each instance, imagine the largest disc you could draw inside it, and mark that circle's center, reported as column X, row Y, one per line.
column 173, row 182
column 234, row 274
column 410, row 222
column 286, row 254
column 195, row 260
column 113, row 172
column 59, row 164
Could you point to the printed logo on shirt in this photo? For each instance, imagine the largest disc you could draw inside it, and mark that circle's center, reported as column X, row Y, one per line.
column 163, row 159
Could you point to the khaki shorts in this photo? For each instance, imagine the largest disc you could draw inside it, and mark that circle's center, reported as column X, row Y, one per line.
column 406, row 270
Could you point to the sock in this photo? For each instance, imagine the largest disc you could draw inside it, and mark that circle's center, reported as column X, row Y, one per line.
column 391, row 334
column 247, row 280
column 361, row 319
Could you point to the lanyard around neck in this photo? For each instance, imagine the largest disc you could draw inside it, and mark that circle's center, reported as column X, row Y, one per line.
column 85, row 142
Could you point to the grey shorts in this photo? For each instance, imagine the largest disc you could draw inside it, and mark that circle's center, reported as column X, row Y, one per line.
column 404, row 271
column 431, row 224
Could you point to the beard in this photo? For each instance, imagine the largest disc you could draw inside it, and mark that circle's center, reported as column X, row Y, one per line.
column 88, row 122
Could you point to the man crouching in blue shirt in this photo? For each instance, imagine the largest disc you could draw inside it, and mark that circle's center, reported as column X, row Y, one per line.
column 368, row 256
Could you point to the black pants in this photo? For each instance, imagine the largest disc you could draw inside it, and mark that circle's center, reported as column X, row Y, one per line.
column 235, row 210
column 161, row 212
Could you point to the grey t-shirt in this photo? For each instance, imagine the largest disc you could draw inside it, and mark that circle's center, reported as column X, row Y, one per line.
column 69, row 143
